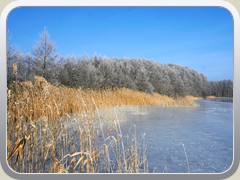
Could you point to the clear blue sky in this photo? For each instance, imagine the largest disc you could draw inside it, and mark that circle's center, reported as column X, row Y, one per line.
column 200, row 38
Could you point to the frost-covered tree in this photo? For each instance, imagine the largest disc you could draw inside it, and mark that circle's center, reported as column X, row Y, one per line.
column 110, row 73
column 16, row 65
column 44, row 54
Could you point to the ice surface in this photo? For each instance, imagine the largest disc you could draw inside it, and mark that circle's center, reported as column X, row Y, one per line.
column 205, row 131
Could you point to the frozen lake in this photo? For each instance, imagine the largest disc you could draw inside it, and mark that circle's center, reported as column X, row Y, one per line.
column 201, row 135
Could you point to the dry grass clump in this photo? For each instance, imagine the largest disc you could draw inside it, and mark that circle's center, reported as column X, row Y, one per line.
column 211, row 97
column 186, row 101
column 59, row 129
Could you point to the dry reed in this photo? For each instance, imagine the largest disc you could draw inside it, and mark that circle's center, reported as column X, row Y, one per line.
column 211, row 97
column 59, row 129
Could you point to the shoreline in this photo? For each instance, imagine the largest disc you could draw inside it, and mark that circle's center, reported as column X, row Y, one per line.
column 41, row 98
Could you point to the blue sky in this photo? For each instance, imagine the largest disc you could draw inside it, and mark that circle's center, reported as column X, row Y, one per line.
column 199, row 38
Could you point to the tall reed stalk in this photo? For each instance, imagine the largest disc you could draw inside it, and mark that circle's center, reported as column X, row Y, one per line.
column 58, row 129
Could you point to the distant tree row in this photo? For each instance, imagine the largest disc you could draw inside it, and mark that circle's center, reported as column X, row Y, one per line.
column 109, row 73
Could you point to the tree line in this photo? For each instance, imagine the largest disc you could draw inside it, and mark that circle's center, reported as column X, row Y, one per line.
column 110, row 73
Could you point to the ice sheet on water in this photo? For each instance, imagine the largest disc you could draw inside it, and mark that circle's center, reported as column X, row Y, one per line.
column 206, row 131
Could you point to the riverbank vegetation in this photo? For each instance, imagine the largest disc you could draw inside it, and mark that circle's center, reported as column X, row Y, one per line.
column 58, row 129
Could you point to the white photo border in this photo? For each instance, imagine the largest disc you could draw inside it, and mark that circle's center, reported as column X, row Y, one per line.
column 122, row 3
